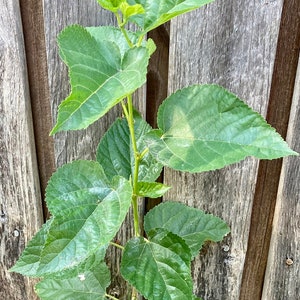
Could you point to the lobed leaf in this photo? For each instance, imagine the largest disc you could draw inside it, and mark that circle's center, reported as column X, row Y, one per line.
column 116, row 155
column 158, row 12
column 100, row 76
column 191, row 224
column 88, row 285
column 205, row 127
column 165, row 258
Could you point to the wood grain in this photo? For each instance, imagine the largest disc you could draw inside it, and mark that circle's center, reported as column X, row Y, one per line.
column 231, row 43
column 282, row 87
column 20, row 199
column 282, row 277
column 35, row 48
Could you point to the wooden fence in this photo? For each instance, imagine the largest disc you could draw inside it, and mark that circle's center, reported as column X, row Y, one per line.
column 250, row 47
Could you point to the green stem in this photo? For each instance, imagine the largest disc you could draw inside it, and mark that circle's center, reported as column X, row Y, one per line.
column 137, row 158
column 111, row 297
column 117, row 245
column 121, row 25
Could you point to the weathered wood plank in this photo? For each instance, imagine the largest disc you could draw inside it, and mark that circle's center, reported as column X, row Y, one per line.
column 82, row 144
column 20, row 199
column 35, row 48
column 281, row 94
column 232, row 44
column 282, row 278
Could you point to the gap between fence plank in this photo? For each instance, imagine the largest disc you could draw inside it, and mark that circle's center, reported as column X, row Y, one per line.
column 281, row 94
column 157, row 84
column 35, row 47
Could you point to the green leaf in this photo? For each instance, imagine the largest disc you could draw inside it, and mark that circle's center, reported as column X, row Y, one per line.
column 28, row 263
column 111, row 5
column 131, row 10
column 100, row 77
column 91, row 214
column 88, row 285
column 191, row 224
column 165, row 259
column 116, row 155
column 76, row 184
column 115, row 35
column 158, row 12
column 152, row 189
column 204, row 127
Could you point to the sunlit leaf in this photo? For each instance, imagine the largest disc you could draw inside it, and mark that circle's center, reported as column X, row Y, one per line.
column 205, row 127
column 158, row 12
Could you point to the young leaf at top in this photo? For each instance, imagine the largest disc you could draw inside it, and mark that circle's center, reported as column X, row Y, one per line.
column 158, row 12
column 205, row 127
column 88, row 285
column 112, row 5
column 88, row 214
column 100, row 77
column 191, row 224
column 165, row 259
column 116, row 155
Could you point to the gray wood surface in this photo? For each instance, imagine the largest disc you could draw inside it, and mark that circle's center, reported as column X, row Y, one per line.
column 231, row 43
column 20, row 200
column 82, row 144
column 282, row 278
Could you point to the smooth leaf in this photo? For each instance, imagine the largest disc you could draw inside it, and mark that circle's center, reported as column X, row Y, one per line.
column 152, row 189
column 88, row 285
column 191, row 224
column 100, row 77
column 205, row 127
column 158, row 12
column 79, row 229
column 116, row 155
column 165, row 260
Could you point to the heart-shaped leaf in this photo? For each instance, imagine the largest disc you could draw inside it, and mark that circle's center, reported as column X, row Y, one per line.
column 100, row 77
column 165, row 258
column 191, row 224
column 205, row 127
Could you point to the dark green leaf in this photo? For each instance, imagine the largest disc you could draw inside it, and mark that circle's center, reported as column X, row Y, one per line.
column 88, row 285
column 191, row 224
column 100, row 77
column 204, row 127
column 152, row 189
column 165, row 260
column 115, row 152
